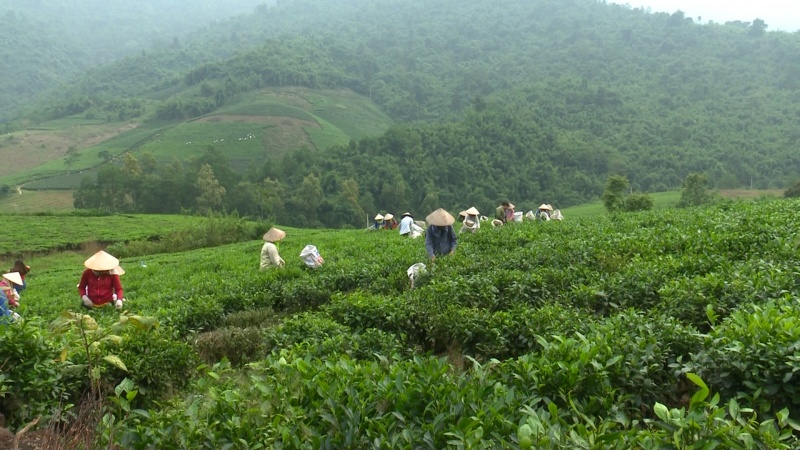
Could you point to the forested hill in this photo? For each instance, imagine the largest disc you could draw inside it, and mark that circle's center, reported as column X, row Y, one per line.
column 530, row 100
column 44, row 43
column 423, row 60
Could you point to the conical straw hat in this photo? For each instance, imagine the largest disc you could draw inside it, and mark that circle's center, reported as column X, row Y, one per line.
column 274, row 235
column 379, row 217
column 118, row 271
column 463, row 214
column 13, row 277
column 440, row 218
column 545, row 207
column 388, row 217
column 101, row 261
column 406, row 214
column 473, row 211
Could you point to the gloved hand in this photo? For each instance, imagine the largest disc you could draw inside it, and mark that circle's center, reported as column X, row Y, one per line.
column 86, row 300
column 118, row 303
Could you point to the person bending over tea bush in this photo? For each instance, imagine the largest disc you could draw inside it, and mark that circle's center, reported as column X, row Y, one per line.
column 22, row 269
column 100, row 283
column 440, row 238
column 269, row 252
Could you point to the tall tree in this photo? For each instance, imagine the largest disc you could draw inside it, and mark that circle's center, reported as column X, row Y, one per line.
column 211, row 193
column 614, row 193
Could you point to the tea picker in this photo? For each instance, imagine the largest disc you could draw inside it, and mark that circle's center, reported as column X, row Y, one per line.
column 100, row 283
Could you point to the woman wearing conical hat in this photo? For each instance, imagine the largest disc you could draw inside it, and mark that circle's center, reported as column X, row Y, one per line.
column 100, row 284
column 544, row 211
column 472, row 222
column 8, row 283
column 9, row 296
column 269, row 252
column 440, row 238
column 22, row 269
column 378, row 222
column 389, row 222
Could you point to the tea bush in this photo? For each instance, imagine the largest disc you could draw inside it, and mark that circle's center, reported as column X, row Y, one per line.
column 585, row 326
column 34, row 380
column 158, row 362
column 237, row 345
column 754, row 355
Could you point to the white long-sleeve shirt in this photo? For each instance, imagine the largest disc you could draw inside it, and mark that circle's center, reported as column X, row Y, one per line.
column 405, row 224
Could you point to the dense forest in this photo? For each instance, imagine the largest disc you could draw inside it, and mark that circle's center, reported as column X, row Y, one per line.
column 530, row 101
column 44, row 43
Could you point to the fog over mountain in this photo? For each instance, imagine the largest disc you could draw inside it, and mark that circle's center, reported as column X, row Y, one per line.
column 45, row 42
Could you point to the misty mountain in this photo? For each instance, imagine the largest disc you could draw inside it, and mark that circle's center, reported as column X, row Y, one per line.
column 44, row 43
column 549, row 96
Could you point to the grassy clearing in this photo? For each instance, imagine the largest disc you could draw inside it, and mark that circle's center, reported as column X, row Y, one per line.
column 37, row 201
column 669, row 199
column 25, row 234
column 661, row 200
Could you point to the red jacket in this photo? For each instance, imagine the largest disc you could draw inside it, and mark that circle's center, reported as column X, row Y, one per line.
column 99, row 288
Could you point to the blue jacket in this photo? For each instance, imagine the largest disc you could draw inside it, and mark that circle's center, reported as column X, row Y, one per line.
column 5, row 311
column 440, row 240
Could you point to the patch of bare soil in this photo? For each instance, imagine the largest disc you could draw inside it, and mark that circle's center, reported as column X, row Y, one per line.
column 31, row 148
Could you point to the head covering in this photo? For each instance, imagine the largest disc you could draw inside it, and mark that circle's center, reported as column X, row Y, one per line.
column 118, row 271
column 545, row 207
column 511, row 205
column 440, row 218
column 463, row 214
column 21, row 267
column 379, row 217
column 388, row 217
column 13, row 277
column 473, row 211
column 101, row 261
column 406, row 214
column 274, row 235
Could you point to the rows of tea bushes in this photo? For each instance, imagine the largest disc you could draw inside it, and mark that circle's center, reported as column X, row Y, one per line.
column 123, row 234
column 581, row 330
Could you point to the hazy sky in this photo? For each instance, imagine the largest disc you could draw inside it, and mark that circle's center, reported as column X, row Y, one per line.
column 778, row 14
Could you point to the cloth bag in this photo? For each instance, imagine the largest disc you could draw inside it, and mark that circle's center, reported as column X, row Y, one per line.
column 414, row 271
column 311, row 257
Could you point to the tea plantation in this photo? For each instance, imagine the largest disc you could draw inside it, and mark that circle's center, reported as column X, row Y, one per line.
column 668, row 329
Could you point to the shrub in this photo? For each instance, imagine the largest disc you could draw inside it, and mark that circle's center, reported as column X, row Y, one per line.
column 33, row 378
column 262, row 317
column 157, row 360
column 638, row 202
column 754, row 354
column 238, row 345
column 793, row 191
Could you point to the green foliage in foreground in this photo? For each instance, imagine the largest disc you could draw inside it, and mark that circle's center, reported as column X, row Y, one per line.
column 590, row 332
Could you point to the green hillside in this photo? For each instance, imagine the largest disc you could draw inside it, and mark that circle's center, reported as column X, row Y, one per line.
column 259, row 125
column 527, row 101
column 637, row 331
